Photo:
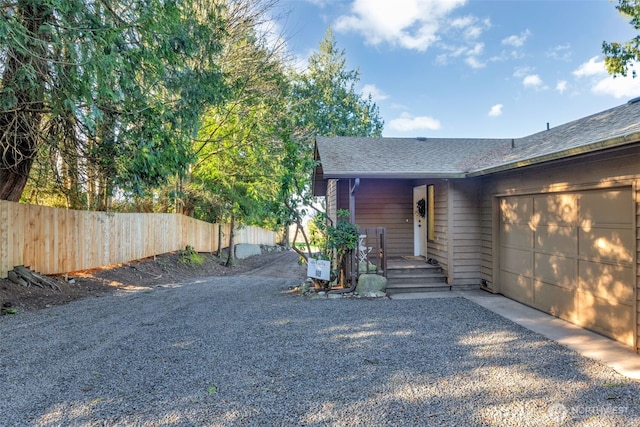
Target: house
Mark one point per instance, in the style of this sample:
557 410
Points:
551 220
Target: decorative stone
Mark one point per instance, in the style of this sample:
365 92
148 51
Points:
371 283
366 267
377 294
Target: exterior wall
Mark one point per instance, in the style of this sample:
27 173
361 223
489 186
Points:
616 168
332 198
438 248
389 204
465 236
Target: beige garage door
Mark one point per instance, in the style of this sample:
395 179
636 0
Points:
571 255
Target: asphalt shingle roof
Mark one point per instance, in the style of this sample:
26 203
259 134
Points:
343 157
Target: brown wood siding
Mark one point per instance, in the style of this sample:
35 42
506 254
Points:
343 193
466 233
438 248
389 204
636 188
486 238
621 167
332 198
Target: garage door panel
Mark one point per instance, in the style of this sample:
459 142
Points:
607 244
560 209
517 235
515 209
606 207
516 261
555 300
602 316
556 239
572 255
517 287
612 282
556 269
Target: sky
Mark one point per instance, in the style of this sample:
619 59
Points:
470 68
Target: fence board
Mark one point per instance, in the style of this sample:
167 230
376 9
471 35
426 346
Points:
57 241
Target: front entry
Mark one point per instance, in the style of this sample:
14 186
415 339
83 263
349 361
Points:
419 221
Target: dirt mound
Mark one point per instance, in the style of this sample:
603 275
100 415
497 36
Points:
146 273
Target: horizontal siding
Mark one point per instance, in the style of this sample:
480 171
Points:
467 233
486 239
389 204
637 219
439 247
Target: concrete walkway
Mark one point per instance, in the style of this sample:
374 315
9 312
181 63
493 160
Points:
589 344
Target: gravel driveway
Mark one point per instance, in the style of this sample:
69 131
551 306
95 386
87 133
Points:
236 351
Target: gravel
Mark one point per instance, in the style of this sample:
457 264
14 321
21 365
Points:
229 351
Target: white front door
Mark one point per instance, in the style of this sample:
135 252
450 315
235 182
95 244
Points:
419 222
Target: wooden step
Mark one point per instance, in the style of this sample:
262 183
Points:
415 278
404 274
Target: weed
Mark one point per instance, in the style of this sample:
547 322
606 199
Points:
190 257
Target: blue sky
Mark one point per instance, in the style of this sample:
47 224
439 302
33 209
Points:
471 68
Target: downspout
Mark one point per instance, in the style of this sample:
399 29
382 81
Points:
352 200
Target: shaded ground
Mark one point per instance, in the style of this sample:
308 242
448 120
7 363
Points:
146 273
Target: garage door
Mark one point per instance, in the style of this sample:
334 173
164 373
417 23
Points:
571 255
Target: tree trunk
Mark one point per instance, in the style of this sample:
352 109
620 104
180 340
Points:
20 124
231 259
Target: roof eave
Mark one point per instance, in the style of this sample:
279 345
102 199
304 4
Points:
614 142
369 175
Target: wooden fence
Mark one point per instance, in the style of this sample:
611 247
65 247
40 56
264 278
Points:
57 241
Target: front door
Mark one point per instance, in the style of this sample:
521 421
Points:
419 221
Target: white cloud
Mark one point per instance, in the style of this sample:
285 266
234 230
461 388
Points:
560 52
407 123
533 80
473 62
602 83
522 71
592 67
496 110
411 24
561 86
619 87
376 94
469 26
517 40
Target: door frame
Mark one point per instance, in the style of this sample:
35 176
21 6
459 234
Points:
419 223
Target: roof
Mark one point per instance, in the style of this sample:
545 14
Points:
379 157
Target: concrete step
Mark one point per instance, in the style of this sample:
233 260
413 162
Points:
397 288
